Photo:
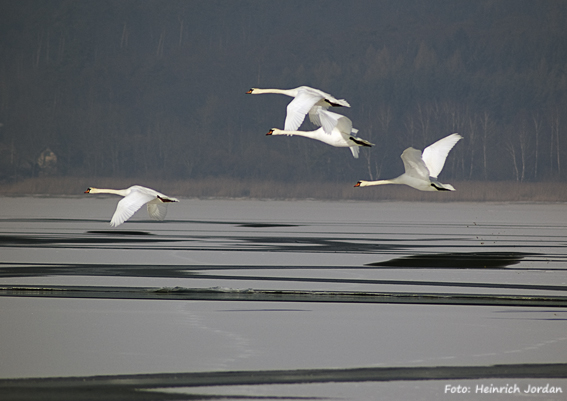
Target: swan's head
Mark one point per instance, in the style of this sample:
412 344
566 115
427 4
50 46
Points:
358 184
270 132
251 91
88 190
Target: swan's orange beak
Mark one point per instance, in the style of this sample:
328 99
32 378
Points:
357 184
249 92
88 190
270 132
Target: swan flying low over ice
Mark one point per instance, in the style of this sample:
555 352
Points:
134 198
422 169
305 101
341 135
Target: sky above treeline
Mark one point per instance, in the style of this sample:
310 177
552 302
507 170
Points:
148 88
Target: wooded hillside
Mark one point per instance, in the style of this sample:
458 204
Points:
156 89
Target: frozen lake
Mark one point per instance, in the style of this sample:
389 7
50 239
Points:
282 300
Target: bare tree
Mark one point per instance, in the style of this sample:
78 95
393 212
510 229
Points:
159 51
486 125
424 117
180 31
536 120
124 37
511 148
523 144
471 136
384 117
554 149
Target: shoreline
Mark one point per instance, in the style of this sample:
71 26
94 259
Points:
467 191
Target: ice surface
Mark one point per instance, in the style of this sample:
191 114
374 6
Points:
361 247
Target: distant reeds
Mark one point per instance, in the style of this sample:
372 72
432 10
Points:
467 191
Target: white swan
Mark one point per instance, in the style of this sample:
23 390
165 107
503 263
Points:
422 169
306 98
134 198
340 136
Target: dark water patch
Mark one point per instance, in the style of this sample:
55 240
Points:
518 315
134 239
126 387
534 318
206 242
265 225
188 271
119 232
224 294
69 240
54 220
265 310
144 221
457 260
319 244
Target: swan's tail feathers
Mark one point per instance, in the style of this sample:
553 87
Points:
354 150
360 141
442 187
157 211
166 199
337 102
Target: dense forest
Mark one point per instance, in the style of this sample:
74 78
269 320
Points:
157 89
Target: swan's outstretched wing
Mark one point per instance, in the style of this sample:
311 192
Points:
414 164
157 209
330 121
305 100
344 125
329 99
354 150
130 205
434 155
299 107
314 116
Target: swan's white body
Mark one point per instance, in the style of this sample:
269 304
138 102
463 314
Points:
307 100
341 135
134 198
422 169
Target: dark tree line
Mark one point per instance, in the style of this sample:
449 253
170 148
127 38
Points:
147 88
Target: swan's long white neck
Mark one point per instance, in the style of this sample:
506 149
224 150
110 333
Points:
288 92
379 182
121 192
307 134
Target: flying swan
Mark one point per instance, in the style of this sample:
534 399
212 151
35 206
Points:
134 198
422 169
307 100
341 135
